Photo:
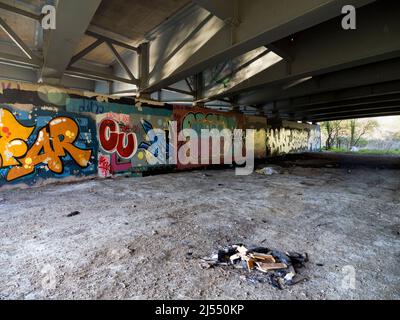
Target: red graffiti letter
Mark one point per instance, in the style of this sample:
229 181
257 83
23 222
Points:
127 145
108 135
113 140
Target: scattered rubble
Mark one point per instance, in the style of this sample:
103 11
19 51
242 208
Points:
264 265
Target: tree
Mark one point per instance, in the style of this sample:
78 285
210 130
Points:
358 129
329 132
349 133
332 130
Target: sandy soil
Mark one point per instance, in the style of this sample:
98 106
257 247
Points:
141 238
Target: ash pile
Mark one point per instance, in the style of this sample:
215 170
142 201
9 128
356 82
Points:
264 265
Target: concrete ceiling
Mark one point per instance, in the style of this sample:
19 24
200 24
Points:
134 19
282 58
100 55
34 6
26 28
128 21
124 20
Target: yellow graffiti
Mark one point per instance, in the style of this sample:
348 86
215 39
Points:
53 142
13 136
51 145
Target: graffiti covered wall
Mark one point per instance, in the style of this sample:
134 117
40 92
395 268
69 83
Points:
81 105
133 143
293 137
42 138
40 143
201 118
48 134
260 138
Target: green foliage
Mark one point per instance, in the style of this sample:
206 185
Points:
367 151
362 142
347 133
338 150
382 152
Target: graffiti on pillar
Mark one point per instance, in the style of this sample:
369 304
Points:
35 143
314 139
293 137
259 124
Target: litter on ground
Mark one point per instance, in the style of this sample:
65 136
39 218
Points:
262 264
268 171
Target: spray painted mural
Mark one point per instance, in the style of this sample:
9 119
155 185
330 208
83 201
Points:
132 143
42 143
48 133
200 118
293 137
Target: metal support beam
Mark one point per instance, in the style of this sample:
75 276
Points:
86 51
16 73
60 44
220 8
370 114
282 48
22 73
19 11
361 96
121 61
348 104
351 101
261 22
253 63
18 61
179 91
189 85
89 74
144 65
199 86
372 107
367 75
112 41
17 40
328 48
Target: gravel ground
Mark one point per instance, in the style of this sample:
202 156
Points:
142 238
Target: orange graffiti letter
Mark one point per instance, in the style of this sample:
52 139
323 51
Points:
51 145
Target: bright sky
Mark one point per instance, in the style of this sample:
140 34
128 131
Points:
387 125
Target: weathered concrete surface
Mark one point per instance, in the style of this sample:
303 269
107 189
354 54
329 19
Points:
132 237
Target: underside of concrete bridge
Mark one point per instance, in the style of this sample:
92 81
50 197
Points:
199 149
283 59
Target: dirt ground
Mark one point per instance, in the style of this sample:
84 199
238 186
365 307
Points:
142 238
